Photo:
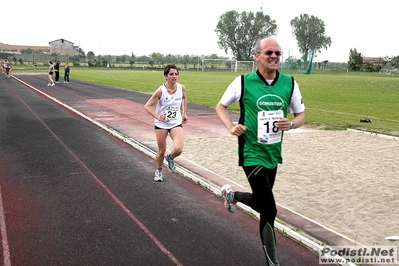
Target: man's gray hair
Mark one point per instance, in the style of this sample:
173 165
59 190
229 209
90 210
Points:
257 45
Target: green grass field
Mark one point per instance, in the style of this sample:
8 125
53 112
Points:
333 100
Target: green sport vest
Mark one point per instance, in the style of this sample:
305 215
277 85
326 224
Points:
257 96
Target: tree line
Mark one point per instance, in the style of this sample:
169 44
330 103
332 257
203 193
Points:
237 35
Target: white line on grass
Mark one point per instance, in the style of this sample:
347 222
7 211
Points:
343 113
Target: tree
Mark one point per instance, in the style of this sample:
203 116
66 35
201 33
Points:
171 59
185 60
81 51
395 61
355 60
91 55
75 59
132 60
212 56
368 66
310 33
290 63
27 51
143 59
239 32
122 58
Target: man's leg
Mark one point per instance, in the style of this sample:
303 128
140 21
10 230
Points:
262 200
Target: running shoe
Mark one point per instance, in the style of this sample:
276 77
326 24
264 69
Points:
48 85
228 195
158 175
171 163
52 85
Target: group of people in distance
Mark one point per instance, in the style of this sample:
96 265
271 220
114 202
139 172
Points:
56 69
6 67
266 97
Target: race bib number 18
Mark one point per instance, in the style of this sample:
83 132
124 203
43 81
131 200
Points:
268 133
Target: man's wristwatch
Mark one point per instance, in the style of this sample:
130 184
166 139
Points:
292 125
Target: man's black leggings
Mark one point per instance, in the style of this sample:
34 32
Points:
261 180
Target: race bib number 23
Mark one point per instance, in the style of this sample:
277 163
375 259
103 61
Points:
172 114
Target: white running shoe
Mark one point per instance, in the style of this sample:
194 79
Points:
48 85
52 85
228 194
171 163
158 175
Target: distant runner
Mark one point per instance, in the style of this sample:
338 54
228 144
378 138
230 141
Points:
168 106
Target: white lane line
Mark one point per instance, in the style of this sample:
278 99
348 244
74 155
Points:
112 195
4 239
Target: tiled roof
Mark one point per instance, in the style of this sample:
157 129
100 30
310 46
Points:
8 47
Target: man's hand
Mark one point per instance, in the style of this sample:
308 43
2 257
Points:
283 124
237 130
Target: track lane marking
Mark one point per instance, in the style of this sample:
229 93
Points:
112 195
4 239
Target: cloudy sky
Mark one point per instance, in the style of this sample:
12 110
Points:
188 27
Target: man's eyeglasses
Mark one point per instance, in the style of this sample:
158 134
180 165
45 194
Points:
277 53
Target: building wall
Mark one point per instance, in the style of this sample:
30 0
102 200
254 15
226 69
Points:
62 47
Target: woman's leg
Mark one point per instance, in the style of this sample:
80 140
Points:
177 136
161 135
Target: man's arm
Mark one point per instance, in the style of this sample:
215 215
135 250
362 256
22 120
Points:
299 119
223 114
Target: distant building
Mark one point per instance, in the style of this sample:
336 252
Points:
371 59
59 47
16 49
63 47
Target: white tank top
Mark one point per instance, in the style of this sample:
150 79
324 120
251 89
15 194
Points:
169 104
